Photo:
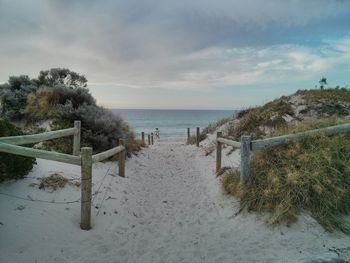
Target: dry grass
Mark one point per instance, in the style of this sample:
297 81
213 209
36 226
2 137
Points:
193 138
312 174
134 146
260 121
250 120
55 181
342 94
212 127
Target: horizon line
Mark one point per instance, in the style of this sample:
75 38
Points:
112 108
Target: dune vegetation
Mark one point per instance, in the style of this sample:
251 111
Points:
309 175
311 104
13 166
53 101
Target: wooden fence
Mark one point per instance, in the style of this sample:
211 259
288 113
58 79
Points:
151 137
247 145
83 158
197 136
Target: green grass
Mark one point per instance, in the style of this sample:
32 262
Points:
312 174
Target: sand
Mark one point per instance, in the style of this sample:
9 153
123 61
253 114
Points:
169 208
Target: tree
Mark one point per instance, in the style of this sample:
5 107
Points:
323 82
61 76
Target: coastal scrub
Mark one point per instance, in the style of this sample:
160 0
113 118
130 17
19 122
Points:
312 174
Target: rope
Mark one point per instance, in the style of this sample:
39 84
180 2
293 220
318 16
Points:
38 200
93 199
103 199
38 178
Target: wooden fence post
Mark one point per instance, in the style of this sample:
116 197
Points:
188 135
76 140
152 138
197 139
149 139
245 158
122 156
86 186
218 152
143 138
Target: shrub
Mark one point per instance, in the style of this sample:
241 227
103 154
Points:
13 166
312 174
100 128
43 103
13 97
61 98
61 77
40 105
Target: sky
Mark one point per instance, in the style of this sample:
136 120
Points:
205 54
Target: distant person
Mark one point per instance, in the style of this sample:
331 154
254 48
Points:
157 134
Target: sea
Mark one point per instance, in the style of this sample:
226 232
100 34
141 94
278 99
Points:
172 124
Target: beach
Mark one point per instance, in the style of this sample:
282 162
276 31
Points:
169 208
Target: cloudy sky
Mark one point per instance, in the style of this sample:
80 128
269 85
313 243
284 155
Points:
203 54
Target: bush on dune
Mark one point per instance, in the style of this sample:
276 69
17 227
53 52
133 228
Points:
312 174
100 127
13 97
13 166
45 102
60 96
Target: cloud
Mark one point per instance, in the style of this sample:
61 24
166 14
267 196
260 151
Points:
176 45
221 67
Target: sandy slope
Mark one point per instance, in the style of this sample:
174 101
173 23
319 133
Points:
169 208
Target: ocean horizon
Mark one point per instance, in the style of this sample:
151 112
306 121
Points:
172 123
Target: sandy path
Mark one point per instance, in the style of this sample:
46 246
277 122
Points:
169 208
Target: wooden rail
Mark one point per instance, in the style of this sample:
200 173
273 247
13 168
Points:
40 137
11 145
36 153
229 142
263 143
107 154
219 141
247 145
